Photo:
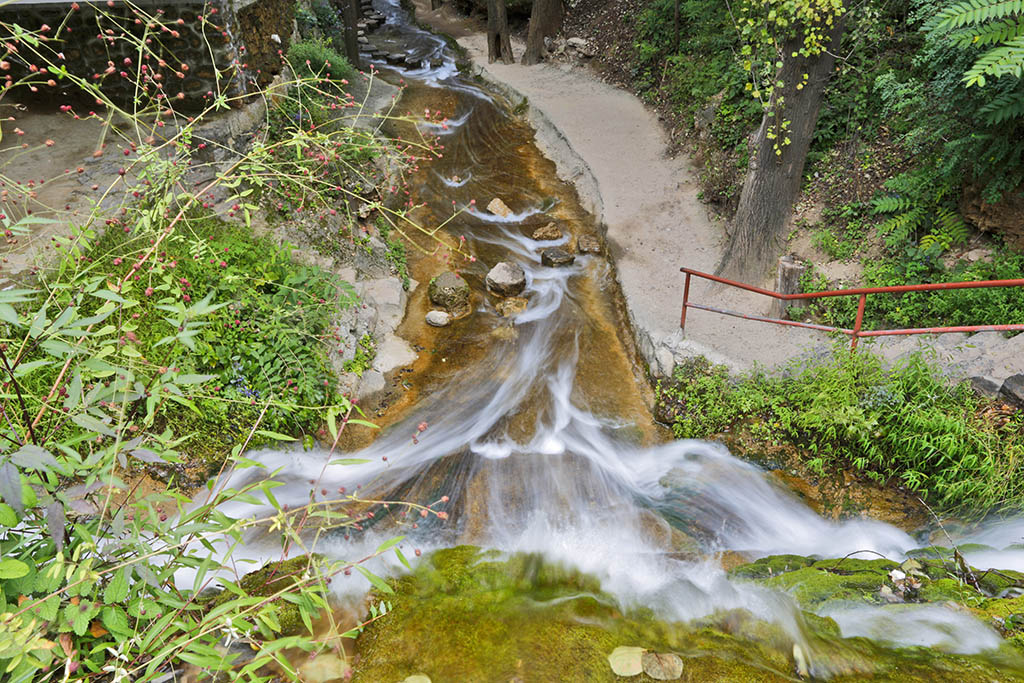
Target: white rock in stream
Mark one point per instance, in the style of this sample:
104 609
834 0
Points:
439 318
506 279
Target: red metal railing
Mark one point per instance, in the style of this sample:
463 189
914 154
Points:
856 333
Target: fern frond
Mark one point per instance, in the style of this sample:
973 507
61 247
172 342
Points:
889 204
1007 59
974 12
1004 107
899 229
988 34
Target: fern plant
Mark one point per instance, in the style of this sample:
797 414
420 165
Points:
997 25
919 213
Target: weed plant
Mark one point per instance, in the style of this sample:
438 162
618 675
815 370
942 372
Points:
164 326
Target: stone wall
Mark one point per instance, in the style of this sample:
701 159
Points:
200 48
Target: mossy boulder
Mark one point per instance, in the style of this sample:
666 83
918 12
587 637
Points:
773 565
450 291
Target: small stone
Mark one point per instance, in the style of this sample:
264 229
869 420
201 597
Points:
506 279
512 306
1012 390
547 233
439 318
588 244
499 208
451 292
555 257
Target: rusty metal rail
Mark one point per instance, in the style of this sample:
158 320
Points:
862 292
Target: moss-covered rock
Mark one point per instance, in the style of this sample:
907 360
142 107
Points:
767 567
471 615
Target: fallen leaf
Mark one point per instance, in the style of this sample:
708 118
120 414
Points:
96 630
626 660
662 666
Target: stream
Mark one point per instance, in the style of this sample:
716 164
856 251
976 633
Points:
538 434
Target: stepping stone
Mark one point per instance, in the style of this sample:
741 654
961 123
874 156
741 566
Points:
555 257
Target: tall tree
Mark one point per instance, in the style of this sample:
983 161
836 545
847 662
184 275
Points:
545 22
801 39
498 44
350 15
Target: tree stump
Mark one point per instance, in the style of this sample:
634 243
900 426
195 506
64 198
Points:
787 281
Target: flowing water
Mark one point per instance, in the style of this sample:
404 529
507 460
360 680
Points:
538 431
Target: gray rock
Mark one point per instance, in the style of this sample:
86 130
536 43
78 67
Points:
393 352
555 257
440 319
985 386
506 279
450 291
1012 390
371 383
588 244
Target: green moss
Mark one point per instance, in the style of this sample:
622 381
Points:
471 615
767 567
814 586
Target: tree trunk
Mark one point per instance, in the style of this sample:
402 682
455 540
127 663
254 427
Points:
773 180
498 44
350 15
545 22
675 28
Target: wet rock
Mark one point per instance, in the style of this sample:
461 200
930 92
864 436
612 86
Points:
512 306
499 208
588 244
548 232
506 279
450 291
439 318
556 257
1012 390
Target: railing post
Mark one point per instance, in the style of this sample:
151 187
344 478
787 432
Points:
857 323
686 299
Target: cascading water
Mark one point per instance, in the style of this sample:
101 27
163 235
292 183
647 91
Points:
536 443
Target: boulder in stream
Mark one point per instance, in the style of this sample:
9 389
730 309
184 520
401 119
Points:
506 279
450 291
499 208
439 319
556 257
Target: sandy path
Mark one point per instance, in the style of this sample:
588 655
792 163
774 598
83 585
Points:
614 150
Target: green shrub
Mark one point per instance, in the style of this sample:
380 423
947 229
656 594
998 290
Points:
906 424
315 58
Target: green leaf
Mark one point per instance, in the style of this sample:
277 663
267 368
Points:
7 516
378 582
12 569
390 543
109 296
9 315
117 590
275 435
116 621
